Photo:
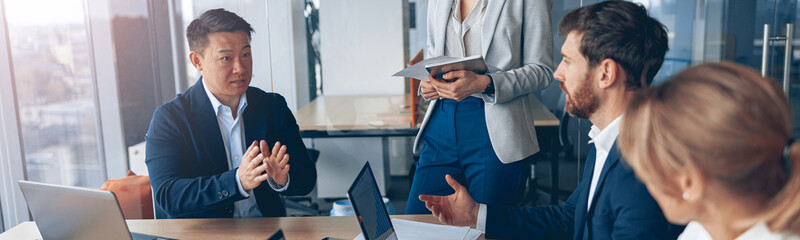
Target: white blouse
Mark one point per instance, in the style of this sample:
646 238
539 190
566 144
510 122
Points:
760 231
463 39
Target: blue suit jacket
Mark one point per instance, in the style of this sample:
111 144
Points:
188 164
621 209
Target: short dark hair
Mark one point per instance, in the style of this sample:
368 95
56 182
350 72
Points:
623 32
211 21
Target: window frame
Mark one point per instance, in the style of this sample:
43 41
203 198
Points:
110 136
12 161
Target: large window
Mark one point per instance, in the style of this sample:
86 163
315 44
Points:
2 226
679 18
80 79
55 91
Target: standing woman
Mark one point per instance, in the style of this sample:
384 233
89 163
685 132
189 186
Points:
713 145
479 128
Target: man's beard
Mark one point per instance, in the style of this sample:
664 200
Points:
584 103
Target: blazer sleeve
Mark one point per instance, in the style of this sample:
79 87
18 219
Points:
638 214
550 222
537 56
302 170
173 172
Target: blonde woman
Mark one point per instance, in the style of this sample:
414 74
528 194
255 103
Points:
713 146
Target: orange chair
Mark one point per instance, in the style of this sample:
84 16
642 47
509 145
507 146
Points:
412 90
133 194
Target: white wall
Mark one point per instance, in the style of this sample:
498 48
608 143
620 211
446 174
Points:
361 46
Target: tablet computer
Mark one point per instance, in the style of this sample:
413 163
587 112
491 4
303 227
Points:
471 63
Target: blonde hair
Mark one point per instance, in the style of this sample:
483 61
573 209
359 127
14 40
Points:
729 122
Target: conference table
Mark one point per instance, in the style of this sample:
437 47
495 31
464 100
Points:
236 228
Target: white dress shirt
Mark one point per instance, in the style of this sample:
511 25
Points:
232 130
760 231
603 141
463 39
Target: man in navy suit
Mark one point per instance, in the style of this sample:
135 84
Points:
223 148
612 49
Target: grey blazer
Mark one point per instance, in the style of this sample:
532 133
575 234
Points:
517 38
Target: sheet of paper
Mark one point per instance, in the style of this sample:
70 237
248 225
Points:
473 234
418 70
406 229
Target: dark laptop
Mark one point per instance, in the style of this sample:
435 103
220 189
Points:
62 212
369 208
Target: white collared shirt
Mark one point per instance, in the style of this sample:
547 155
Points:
759 231
232 130
603 142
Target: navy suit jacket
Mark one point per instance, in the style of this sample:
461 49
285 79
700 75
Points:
621 209
188 164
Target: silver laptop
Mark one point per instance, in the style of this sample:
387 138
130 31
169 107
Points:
63 212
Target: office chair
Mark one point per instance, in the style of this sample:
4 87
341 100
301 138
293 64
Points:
132 192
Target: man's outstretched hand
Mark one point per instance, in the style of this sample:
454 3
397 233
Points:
455 209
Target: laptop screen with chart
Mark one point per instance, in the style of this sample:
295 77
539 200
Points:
369 208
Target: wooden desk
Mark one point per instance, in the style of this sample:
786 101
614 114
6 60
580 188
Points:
236 228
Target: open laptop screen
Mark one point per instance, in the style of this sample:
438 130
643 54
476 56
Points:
368 206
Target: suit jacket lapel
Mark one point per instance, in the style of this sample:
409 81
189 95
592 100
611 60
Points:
255 123
440 30
580 206
205 126
611 160
490 19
